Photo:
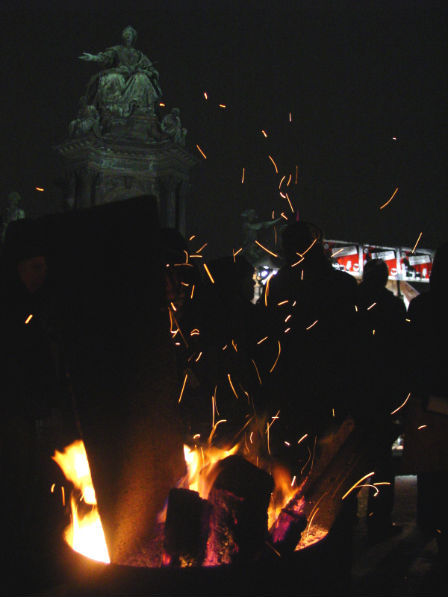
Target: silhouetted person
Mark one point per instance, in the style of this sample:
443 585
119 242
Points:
221 331
382 316
29 394
426 425
312 310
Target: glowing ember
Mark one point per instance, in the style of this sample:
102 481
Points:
85 534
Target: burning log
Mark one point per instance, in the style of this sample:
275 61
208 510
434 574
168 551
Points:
287 529
186 529
238 522
324 492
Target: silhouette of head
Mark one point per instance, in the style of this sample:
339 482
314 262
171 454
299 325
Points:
375 273
234 277
301 238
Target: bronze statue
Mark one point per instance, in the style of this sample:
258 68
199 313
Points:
251 229
172 126
130 84
87 120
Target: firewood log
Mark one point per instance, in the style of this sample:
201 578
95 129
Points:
238 523
186 529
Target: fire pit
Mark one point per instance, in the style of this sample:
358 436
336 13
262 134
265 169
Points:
217 545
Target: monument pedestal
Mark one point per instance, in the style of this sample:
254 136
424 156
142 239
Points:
131 158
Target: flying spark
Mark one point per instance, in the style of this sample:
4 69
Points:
222 106
389 200
257 372
401 405
205 95
183 387
208 273
265 249
266 291
264 133
275 165
290 204
202 153
308 248
355 485
297 262
312 325
29 318
278 356
231 385
416 243
243 175
203 247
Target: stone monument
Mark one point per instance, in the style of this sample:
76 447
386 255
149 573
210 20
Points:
118 147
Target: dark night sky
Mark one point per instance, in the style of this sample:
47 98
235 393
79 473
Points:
353 75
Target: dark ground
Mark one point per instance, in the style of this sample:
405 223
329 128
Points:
404 565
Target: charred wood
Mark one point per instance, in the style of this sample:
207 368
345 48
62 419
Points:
287 529
238 524
186 529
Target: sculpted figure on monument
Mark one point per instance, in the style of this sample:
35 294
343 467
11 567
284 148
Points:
172 126
252 227
87 120
130 84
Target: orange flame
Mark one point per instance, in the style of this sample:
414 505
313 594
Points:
85 533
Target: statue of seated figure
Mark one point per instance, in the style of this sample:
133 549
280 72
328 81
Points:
129 85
